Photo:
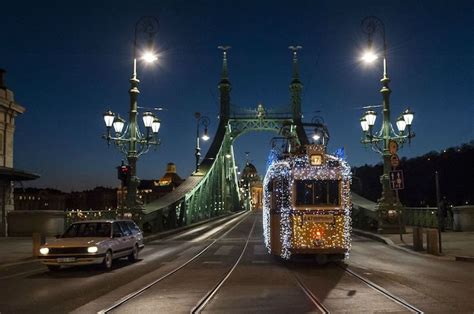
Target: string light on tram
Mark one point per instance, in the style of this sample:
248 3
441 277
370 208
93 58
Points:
299 168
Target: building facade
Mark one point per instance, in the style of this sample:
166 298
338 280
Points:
150 190
9 110
251 187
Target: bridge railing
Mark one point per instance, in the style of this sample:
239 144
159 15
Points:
426 217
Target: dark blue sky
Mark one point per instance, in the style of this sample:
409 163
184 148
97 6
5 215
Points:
68 63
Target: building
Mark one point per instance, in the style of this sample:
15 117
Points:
39 199
251 187
150 190
9 109
99 198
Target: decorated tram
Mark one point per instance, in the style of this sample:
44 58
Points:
307 204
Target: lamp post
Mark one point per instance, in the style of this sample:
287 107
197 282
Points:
130 140
200 121
387 140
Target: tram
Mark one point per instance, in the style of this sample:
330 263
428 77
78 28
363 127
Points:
307 204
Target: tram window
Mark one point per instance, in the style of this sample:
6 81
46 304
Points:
315 192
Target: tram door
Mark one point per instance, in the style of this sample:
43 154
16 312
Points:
275 218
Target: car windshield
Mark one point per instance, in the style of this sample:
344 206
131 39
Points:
88 229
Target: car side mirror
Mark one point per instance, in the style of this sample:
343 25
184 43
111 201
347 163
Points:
117 235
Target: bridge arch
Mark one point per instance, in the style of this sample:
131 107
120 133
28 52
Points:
214 190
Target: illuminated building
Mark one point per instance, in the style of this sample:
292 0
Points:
251 187
9 109
150 190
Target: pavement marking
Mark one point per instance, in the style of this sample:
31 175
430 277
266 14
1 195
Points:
260 262
32 260
28 272
212 262
224 250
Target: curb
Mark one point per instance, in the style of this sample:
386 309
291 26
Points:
390 243
465 259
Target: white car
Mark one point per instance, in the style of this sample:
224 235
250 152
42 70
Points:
93 242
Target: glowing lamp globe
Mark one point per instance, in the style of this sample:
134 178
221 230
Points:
408 116
401 124
155 125
119 123
109 118
148 118
370 117
149 57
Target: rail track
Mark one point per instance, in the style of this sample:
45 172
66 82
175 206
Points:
211 293
138 292
382 291
319 305
324 309
205 300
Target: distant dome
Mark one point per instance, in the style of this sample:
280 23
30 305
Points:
170 168
249 171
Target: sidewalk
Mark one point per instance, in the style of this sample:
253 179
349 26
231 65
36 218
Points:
457 246
16 250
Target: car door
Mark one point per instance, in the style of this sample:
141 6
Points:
119 243
128 239
137 233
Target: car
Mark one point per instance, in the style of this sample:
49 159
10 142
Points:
93 242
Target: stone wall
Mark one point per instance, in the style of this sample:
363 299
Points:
26 222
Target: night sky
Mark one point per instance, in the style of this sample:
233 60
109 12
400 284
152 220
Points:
68 63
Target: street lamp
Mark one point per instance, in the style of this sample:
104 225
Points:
200 121
321 132
129 139
387 140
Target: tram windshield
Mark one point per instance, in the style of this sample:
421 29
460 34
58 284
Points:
316 192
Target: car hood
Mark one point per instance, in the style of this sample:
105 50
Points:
74 242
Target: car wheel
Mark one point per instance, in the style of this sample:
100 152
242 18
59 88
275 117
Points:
134 255
53 267
107 263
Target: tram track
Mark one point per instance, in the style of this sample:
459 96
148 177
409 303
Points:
299 278
208 297
324 309
382 291
319 305
140 291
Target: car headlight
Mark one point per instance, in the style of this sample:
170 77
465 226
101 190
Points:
44 250
92 249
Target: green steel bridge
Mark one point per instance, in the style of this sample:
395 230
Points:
213 190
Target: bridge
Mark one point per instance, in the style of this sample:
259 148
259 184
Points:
213 189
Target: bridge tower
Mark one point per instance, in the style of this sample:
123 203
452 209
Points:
296 87
224 87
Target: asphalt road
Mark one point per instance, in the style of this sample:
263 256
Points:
238 276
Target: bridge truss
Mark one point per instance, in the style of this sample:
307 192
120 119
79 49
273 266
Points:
214 189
